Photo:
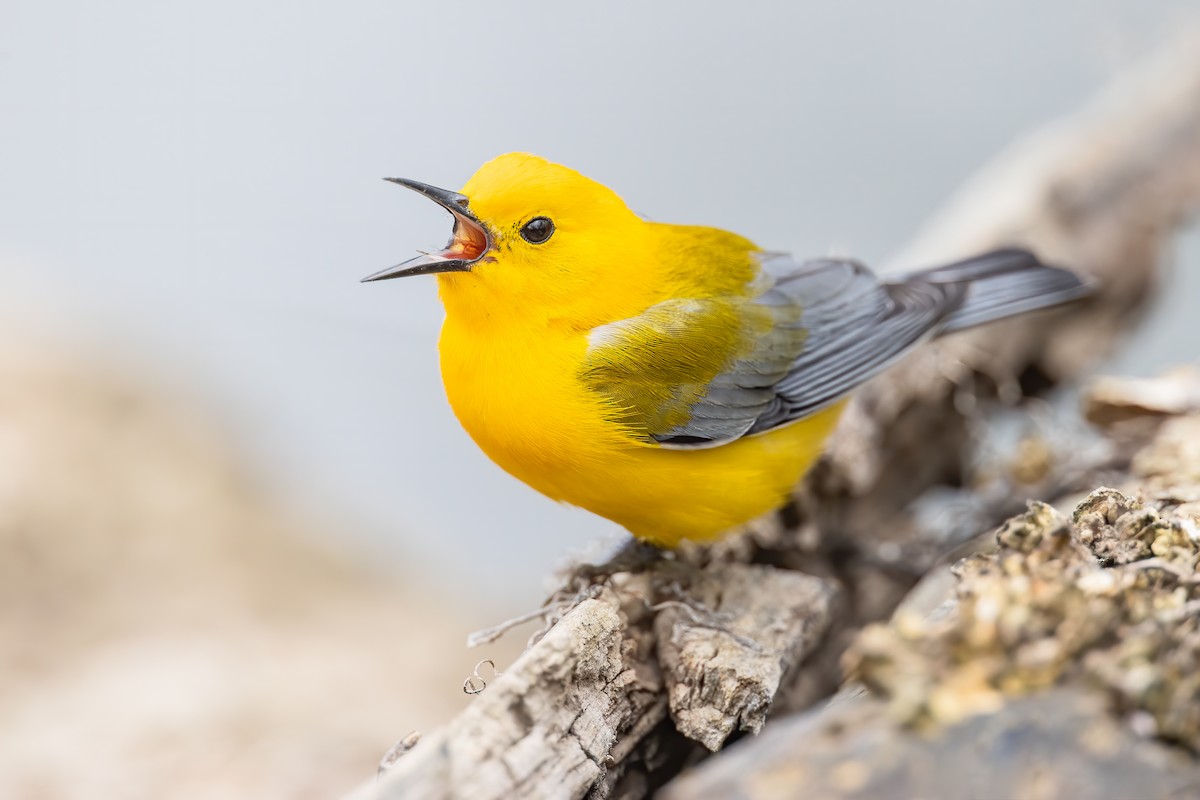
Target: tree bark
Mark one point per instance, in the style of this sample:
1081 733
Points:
661 666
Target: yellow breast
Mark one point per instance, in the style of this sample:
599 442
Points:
518 395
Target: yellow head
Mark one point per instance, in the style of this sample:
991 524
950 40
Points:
562 244
534 240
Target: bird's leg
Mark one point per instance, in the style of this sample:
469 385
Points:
634 555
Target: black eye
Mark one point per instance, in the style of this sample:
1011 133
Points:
537 230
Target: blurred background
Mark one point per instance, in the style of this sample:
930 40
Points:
241 534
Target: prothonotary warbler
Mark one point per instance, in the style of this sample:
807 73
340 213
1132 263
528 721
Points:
678 380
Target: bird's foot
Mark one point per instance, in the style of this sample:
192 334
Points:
633 556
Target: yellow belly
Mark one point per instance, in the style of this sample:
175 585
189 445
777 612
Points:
537 422
666 495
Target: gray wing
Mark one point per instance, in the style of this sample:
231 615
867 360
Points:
856 327
811 334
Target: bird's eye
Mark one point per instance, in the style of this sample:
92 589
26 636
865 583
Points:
537 230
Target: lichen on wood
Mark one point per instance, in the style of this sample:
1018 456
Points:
1075 641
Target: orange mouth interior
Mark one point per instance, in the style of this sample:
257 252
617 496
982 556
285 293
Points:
468 242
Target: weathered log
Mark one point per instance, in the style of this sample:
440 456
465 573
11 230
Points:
563 706
1056 666
1100 192
724 662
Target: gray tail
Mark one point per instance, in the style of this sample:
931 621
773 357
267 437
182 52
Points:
1001 284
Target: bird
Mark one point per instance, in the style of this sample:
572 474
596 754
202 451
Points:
678 380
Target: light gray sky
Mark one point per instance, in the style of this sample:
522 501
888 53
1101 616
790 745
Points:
197 186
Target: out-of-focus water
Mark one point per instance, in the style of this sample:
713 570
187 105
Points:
197 187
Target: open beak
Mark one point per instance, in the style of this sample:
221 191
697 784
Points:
467 244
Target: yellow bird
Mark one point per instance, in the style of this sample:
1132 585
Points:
677 380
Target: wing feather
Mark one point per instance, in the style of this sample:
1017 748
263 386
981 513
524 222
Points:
696 372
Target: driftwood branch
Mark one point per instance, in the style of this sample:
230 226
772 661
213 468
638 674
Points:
663 665
1009 689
